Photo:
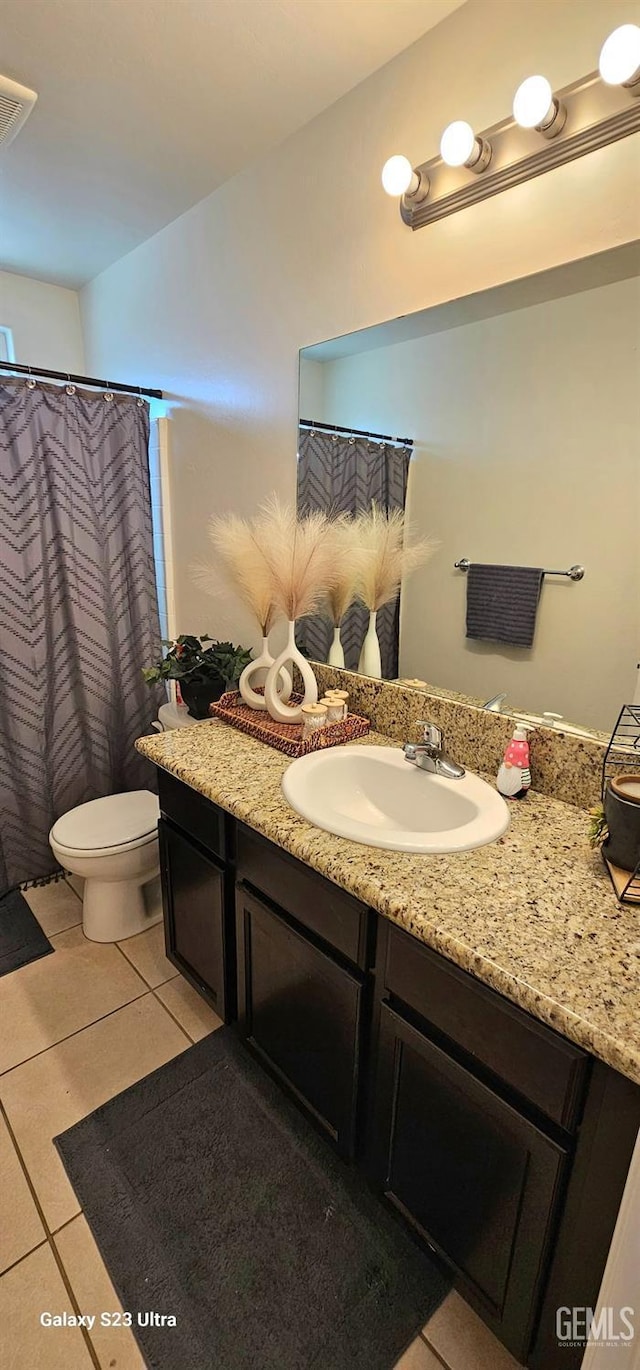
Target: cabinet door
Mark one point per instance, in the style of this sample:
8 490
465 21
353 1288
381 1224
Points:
193 902
478 1180
301 1013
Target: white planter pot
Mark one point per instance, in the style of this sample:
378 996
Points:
336 653
279 710
263 663
369 663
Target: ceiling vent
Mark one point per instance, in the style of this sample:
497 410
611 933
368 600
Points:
16 104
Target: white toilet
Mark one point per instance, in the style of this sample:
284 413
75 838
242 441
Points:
113 844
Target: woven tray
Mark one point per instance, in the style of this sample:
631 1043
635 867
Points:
286 737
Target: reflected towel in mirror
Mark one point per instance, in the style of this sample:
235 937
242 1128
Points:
502 603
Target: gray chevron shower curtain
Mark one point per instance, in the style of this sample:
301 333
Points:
78 609
342 473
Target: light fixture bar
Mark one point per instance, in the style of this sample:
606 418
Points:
596 114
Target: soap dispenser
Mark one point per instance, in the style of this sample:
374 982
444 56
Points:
514 776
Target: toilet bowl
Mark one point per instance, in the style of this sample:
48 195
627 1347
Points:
113 844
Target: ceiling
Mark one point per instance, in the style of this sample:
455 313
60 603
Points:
146 106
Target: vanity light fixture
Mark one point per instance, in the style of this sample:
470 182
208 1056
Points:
400 179
536 106
459 146
620 58
547 128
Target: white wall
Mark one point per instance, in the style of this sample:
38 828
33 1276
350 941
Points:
619 1287
45 322
306 245
526 452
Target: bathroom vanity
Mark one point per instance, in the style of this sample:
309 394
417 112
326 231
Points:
486 1079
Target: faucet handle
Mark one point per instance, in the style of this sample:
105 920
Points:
432 734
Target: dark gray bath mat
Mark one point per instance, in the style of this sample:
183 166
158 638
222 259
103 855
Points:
21 937
212 1200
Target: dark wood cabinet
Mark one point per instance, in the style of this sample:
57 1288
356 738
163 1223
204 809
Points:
197 852
322 909
504 1145
497 1040
301 1012
201 820
194 915
480 1182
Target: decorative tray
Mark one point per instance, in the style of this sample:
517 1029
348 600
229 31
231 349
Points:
286 737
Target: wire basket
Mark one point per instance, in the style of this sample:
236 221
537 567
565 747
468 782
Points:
623 755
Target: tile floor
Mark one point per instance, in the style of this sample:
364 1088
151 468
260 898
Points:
77 1028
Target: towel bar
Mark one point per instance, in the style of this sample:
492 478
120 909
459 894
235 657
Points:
574 572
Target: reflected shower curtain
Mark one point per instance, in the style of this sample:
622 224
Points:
342 473
78 609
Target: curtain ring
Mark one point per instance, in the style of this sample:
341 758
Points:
140 402
31 385
334 437
352 442
108 394
70 389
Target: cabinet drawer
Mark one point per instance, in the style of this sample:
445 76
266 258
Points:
536 1061
301 1013
316 903
479 1181
192 812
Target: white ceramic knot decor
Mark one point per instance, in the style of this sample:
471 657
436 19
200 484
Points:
278 708
263 662
281 564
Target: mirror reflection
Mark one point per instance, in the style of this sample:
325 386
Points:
505 426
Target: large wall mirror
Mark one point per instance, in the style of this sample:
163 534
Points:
508 423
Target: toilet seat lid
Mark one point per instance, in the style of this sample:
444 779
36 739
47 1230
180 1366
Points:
109 822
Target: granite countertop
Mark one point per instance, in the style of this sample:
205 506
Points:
533 915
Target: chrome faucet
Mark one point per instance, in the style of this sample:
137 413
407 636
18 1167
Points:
429 756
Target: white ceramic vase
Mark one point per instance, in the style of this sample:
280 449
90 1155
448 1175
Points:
336 653
369 663
264 662
279 710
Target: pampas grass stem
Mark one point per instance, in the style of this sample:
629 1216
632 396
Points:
281 563
387 555
300 554
349 564
245 565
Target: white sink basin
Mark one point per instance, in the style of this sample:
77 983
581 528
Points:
372 795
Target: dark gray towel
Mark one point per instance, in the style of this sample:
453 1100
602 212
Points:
502 602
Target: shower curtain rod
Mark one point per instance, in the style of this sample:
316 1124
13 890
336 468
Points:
70 378
355 432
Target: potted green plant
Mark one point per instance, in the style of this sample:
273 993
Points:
204 668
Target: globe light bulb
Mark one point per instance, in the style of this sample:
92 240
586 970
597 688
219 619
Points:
397 175
620 56
533 103
457 143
